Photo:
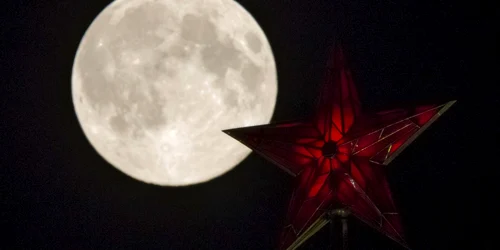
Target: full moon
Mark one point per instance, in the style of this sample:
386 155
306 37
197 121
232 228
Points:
155 81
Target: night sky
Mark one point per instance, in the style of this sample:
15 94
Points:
56 192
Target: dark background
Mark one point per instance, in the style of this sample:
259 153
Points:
57 193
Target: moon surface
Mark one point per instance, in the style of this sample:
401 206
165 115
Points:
155 81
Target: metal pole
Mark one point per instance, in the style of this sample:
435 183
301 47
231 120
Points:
343 214
345 238
332 234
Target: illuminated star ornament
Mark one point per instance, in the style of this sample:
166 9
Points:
338 156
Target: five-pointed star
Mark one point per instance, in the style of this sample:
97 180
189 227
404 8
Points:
338 156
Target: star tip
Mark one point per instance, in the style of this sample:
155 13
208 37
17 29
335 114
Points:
447 106
227 130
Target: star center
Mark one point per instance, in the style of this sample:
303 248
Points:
329 149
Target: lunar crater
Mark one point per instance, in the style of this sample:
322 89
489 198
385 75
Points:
198 29
253 42
219 58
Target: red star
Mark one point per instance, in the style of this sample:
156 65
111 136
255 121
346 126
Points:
338 156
